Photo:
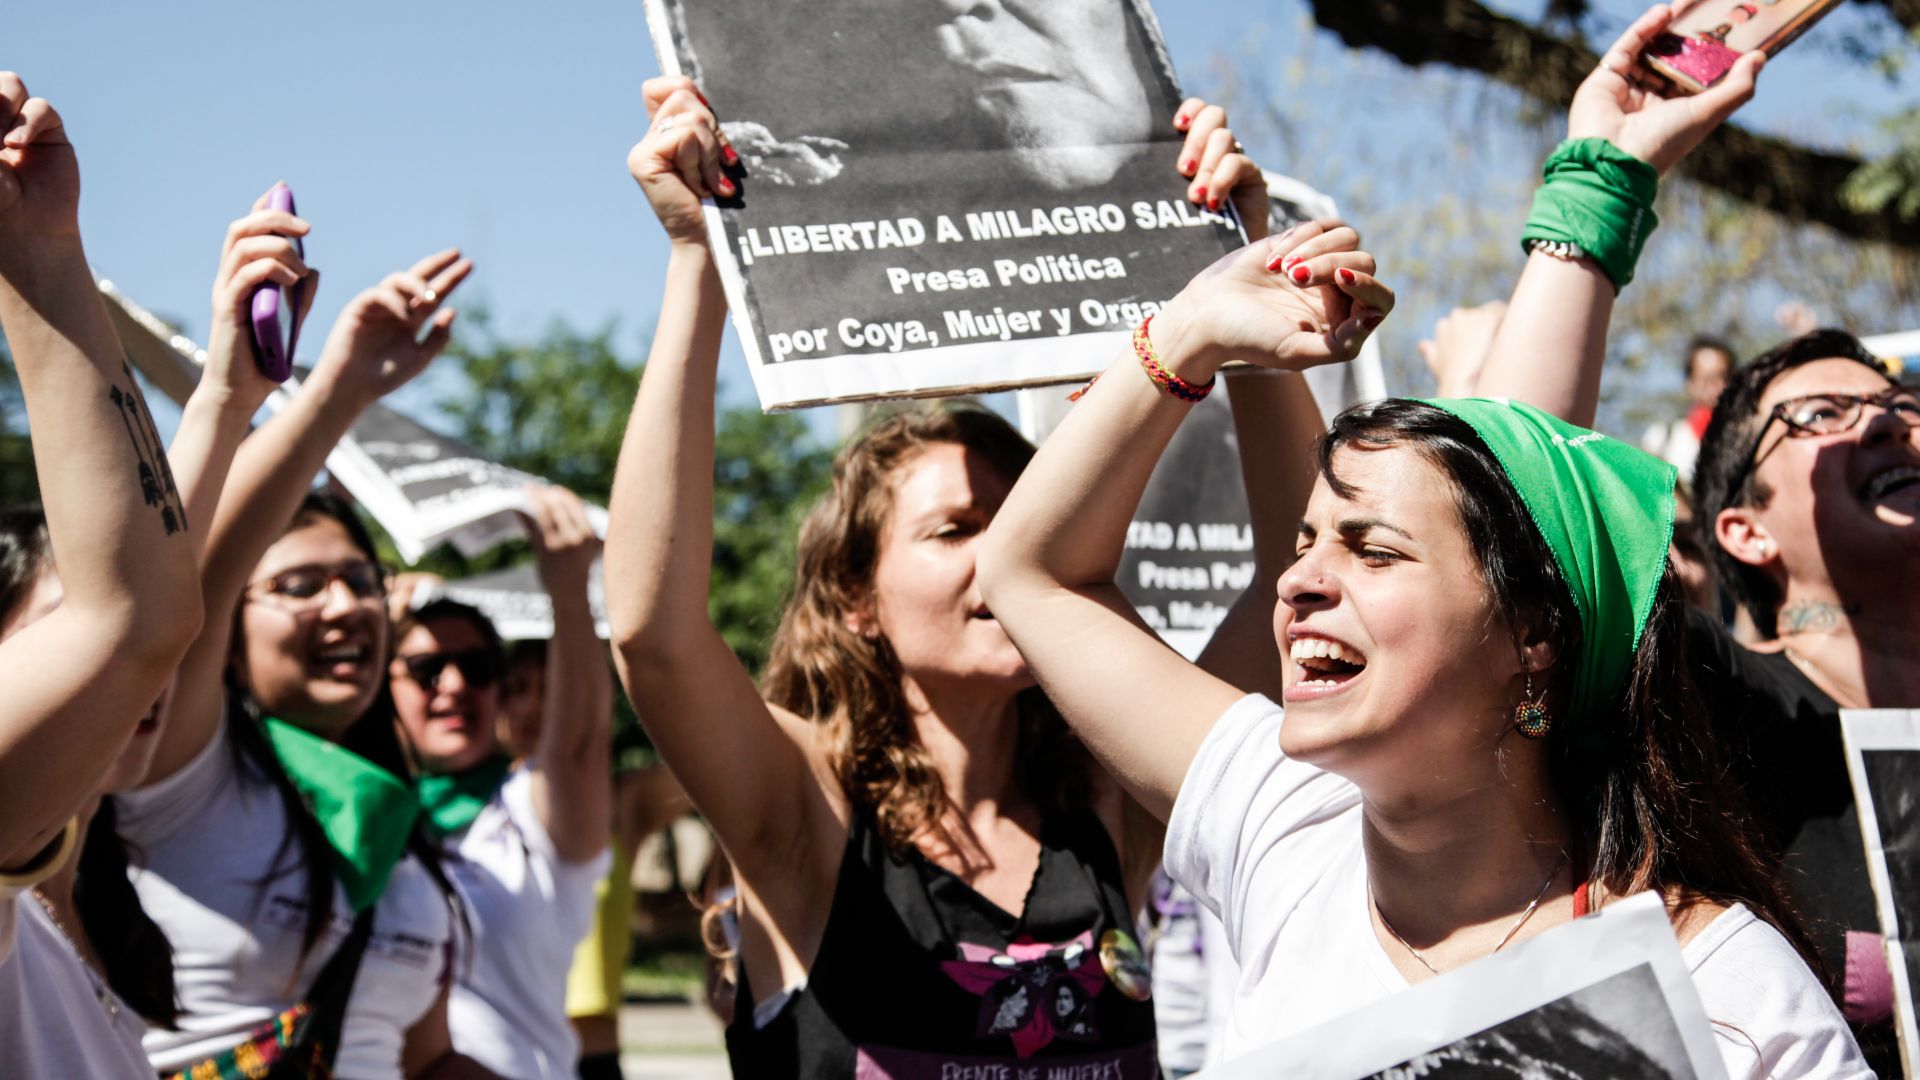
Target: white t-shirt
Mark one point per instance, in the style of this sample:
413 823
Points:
1274 847
216 869
53 1022
529 910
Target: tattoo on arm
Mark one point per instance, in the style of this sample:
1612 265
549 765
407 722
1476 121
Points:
1814 616
156 476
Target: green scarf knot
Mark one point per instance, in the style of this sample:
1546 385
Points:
365 811
453 800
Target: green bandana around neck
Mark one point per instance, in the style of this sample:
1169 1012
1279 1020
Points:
453 800
365 811
1606 510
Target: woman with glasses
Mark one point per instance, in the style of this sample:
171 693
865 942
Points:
277 842
528 839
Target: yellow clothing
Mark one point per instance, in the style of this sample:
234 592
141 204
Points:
593 983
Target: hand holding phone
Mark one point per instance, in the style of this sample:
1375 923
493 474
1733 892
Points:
1707 36
275 311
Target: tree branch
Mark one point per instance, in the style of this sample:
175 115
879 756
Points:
1789 179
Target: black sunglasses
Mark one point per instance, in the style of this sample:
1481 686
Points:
479 668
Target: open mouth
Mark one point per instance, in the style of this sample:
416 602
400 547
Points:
1324 663
1892 481
343 660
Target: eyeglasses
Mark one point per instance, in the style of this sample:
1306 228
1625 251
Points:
479 668
1827 414
306 586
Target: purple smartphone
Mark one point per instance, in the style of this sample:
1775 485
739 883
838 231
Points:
276 311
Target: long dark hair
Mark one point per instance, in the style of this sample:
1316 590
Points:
853 685
133 951
372 736
1641 780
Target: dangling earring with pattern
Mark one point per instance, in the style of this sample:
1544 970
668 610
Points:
1530 717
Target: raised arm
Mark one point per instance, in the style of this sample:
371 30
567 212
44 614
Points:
79 679
573 765
256 252
1048 563
375 347
741 763
1551 347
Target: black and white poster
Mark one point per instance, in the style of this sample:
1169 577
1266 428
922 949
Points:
940 198
1601 998
1883 756
515 601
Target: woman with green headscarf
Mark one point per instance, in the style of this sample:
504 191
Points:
1468 720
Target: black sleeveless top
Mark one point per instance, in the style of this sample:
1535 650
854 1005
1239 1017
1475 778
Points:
920 976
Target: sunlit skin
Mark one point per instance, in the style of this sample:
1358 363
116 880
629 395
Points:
1818 518
1060 77
1390 575
319 666
1707 372
926 601
450 725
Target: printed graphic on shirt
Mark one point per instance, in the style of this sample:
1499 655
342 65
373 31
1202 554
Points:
884 1063
1033 992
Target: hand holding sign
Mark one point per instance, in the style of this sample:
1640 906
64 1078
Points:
678 163
255 252
1302 299
376 345
564 542
1220 169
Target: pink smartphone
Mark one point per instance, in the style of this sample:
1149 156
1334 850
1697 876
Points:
276 311
1707 36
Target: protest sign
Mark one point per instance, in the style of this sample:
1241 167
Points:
1883 758
1600 998
514 600
424 488
932 205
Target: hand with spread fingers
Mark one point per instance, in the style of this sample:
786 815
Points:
255 252
1298 300
1218 168
682 158
39 173
389 333
1623 102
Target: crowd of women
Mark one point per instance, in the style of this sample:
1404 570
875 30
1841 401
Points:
252 823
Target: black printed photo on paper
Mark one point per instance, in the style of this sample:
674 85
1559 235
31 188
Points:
936 197
1619 1027
1893 777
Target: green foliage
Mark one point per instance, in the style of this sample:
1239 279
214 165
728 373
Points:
1891 182
18 483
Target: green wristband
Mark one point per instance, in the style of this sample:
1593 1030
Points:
1598 198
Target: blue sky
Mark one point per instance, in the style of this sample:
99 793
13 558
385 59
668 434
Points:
406 127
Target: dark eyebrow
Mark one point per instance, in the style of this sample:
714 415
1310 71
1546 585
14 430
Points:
1354 527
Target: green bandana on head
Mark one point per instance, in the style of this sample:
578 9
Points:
366 811
1606 510
453 800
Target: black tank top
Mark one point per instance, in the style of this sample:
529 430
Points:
919 976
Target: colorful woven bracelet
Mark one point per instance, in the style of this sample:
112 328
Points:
1166 380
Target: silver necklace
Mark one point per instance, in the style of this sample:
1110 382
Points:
108 1000
1518 923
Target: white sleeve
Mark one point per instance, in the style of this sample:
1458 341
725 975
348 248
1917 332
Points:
153 813
517 795
1771 1018
1239 838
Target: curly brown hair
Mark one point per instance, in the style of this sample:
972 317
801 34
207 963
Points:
820 669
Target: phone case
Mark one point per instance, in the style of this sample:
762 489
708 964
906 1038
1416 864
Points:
1704 40
275 312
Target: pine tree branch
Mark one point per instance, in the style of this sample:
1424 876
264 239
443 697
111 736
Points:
1784 177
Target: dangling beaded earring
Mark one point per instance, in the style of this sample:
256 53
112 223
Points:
1530 717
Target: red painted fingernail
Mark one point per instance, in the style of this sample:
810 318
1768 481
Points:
1291 262
1213 203
1181 120
1301 274
1187 166
1200 193
726 186
730 155
1278 262
1346 276
703 99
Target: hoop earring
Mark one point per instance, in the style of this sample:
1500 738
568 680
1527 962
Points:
1530 717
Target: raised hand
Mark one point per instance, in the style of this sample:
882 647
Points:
1621 102
256 252
564 543
39 174
1218 169
377 344
679 161
1458 348
1298 300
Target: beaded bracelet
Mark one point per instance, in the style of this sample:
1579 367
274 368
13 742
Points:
1166 380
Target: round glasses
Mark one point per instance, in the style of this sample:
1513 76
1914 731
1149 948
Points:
1827 414
301 587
